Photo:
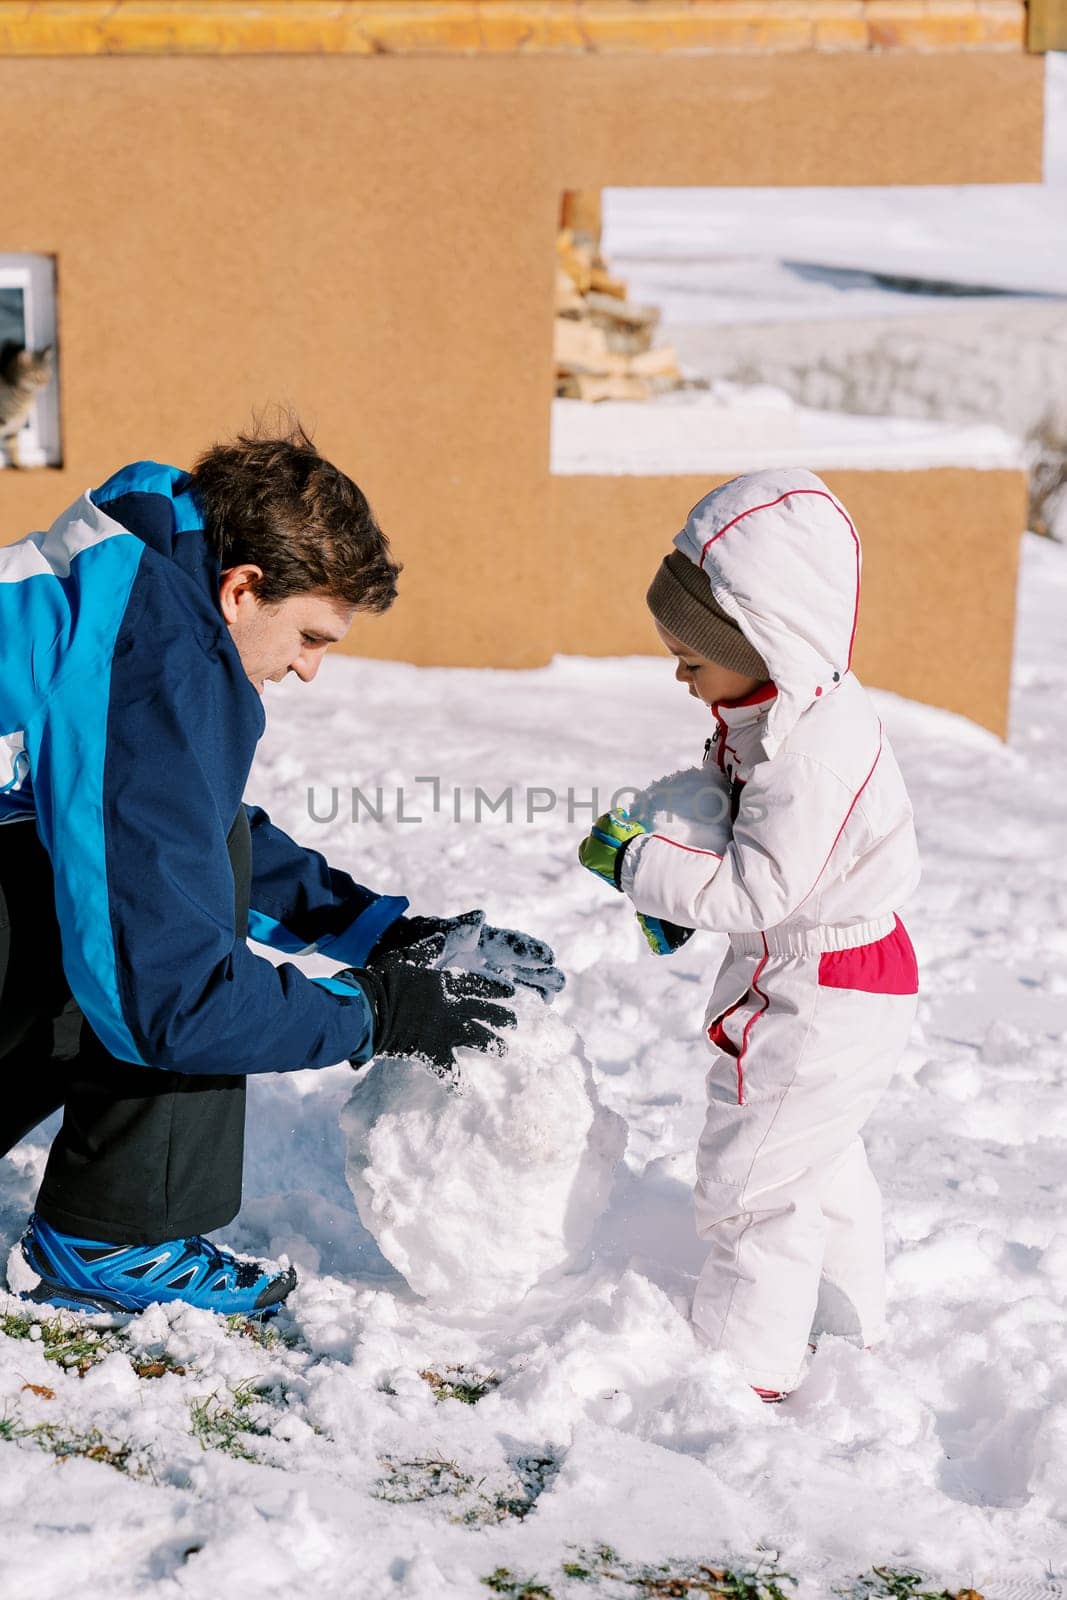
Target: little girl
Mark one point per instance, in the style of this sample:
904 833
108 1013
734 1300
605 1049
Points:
814 1000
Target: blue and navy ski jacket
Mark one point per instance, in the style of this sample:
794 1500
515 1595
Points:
127 731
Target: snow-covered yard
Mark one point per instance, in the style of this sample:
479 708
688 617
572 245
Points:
330 1460
372 1444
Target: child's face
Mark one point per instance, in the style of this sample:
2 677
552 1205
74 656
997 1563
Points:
706 680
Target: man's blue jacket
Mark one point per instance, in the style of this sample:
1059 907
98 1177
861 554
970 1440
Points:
127 731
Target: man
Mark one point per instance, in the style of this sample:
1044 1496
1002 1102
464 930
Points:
135 639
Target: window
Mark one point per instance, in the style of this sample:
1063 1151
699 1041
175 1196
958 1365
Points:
28 319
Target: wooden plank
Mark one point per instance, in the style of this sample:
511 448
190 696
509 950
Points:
622 312
662 362
602 282
593 388
567 296
575 259
581 347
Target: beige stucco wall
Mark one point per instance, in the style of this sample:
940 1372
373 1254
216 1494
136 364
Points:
940 563
371 239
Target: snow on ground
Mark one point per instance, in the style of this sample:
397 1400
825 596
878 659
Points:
325 1465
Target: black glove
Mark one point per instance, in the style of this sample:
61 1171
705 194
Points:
502 952
428 941
423 1015
518 957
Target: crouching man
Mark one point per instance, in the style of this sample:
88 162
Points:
135 639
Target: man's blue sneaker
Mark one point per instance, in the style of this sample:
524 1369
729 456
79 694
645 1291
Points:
91 1275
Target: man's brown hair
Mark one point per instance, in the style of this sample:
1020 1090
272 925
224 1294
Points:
272 500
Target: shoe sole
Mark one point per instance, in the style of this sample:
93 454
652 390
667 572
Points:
67 1299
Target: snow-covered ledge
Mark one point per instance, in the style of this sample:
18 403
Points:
731 429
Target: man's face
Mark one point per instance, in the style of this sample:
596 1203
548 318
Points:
292 636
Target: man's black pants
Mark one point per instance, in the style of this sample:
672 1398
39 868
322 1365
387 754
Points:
142 1155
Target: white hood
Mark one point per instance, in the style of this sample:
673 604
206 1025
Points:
783 558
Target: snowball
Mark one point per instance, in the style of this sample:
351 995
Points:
958 1080
476 1193
688 806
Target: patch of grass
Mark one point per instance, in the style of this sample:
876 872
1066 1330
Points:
63 1339
466 1384
672 1580
16 1327
262 1333
503 1581
607 1574
91 1446
78 1348
436 1478
66 1444
424 1478
896 1583
267 1335
227 1423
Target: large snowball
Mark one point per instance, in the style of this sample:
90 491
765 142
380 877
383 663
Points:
475 1194
690 807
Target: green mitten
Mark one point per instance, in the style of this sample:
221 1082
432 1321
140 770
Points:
601 851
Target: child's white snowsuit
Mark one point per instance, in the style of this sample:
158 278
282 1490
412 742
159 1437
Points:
813 1003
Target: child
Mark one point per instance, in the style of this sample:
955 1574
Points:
814 1000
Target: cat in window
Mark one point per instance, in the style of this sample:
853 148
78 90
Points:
23 374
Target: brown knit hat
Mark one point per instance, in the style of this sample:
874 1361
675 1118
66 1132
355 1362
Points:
681 599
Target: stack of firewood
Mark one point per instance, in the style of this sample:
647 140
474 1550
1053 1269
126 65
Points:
603 344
